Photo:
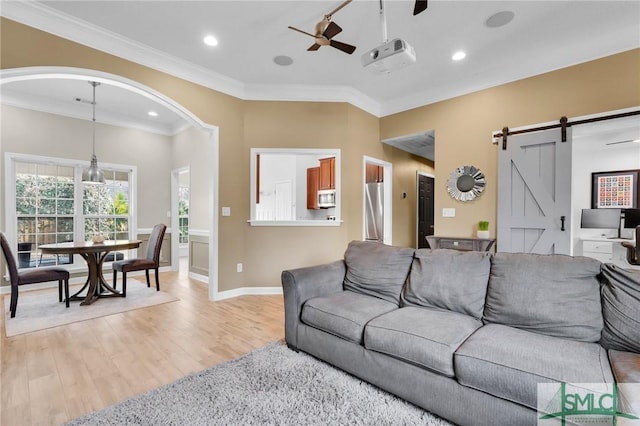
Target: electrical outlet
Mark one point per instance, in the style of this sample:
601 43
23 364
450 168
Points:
239 267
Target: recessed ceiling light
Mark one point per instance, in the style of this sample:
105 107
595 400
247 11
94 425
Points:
499 19
152 113
283 60
210 40
459 55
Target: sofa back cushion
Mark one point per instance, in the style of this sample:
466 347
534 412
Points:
448 279
621 309
556 295
376 269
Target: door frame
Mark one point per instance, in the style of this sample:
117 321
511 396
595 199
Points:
175 226
418 174
388 190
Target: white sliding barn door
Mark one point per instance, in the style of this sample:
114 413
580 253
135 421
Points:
534 193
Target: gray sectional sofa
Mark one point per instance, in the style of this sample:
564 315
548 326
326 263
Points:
469 335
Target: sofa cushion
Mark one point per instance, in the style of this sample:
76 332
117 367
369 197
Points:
620 308
509 363
448 279
344 314
427 337
555 295
376 269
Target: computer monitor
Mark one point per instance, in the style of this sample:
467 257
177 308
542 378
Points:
601 218
631 218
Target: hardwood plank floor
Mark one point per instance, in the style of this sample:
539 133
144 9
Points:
55 375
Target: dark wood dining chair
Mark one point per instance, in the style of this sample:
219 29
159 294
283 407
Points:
39 275
150 261
633 249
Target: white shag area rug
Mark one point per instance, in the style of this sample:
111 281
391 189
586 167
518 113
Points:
269 386
38 310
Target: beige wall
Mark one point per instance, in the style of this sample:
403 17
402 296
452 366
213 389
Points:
463 125
264 251
463 129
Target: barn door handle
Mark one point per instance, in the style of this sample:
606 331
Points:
562 218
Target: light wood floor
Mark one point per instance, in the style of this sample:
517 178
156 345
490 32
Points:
55 375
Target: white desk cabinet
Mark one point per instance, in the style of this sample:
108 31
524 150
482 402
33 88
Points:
601 250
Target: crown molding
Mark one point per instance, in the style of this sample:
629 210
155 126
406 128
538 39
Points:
45 18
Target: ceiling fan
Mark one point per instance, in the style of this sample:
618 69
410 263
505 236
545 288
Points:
325 31
420 6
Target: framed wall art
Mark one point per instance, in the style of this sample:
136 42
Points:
615 190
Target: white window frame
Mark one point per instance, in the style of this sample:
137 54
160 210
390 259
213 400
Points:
253 221
78 224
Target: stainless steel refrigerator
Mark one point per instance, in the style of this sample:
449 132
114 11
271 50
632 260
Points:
374 212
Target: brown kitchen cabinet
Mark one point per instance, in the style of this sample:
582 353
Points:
374 173
313 181
328 173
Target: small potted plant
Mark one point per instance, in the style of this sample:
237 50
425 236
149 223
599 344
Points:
483 229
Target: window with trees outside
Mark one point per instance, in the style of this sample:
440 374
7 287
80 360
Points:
52 205
183 214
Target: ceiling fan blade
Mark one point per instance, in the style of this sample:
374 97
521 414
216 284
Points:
300 31
346 48
420 6
314 47
332 30
338 8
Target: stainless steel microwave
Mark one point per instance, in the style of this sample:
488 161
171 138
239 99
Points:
326 198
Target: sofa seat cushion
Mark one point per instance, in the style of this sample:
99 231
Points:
448 279
377 269
509 363
344 314
556 295
422 336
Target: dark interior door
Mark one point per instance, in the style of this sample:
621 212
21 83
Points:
425 209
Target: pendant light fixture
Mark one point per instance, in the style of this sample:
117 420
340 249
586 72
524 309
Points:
93 174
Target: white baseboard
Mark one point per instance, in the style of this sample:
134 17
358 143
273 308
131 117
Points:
246 291
199 277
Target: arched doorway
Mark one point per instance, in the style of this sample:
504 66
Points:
14 75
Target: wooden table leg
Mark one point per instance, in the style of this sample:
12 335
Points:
92 264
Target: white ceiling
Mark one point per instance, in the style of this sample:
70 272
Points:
543 36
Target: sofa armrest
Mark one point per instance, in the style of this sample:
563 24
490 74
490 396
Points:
626 371
300 285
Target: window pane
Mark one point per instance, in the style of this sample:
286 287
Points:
65 224
26 225
90 228
46 206
25 206
65 206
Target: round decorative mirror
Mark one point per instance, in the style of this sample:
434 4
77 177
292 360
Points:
466 183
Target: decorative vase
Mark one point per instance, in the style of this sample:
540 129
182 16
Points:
483 234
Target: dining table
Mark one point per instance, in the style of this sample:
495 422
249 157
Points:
94 254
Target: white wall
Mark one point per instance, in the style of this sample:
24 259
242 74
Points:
38 133
592 154
191 148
